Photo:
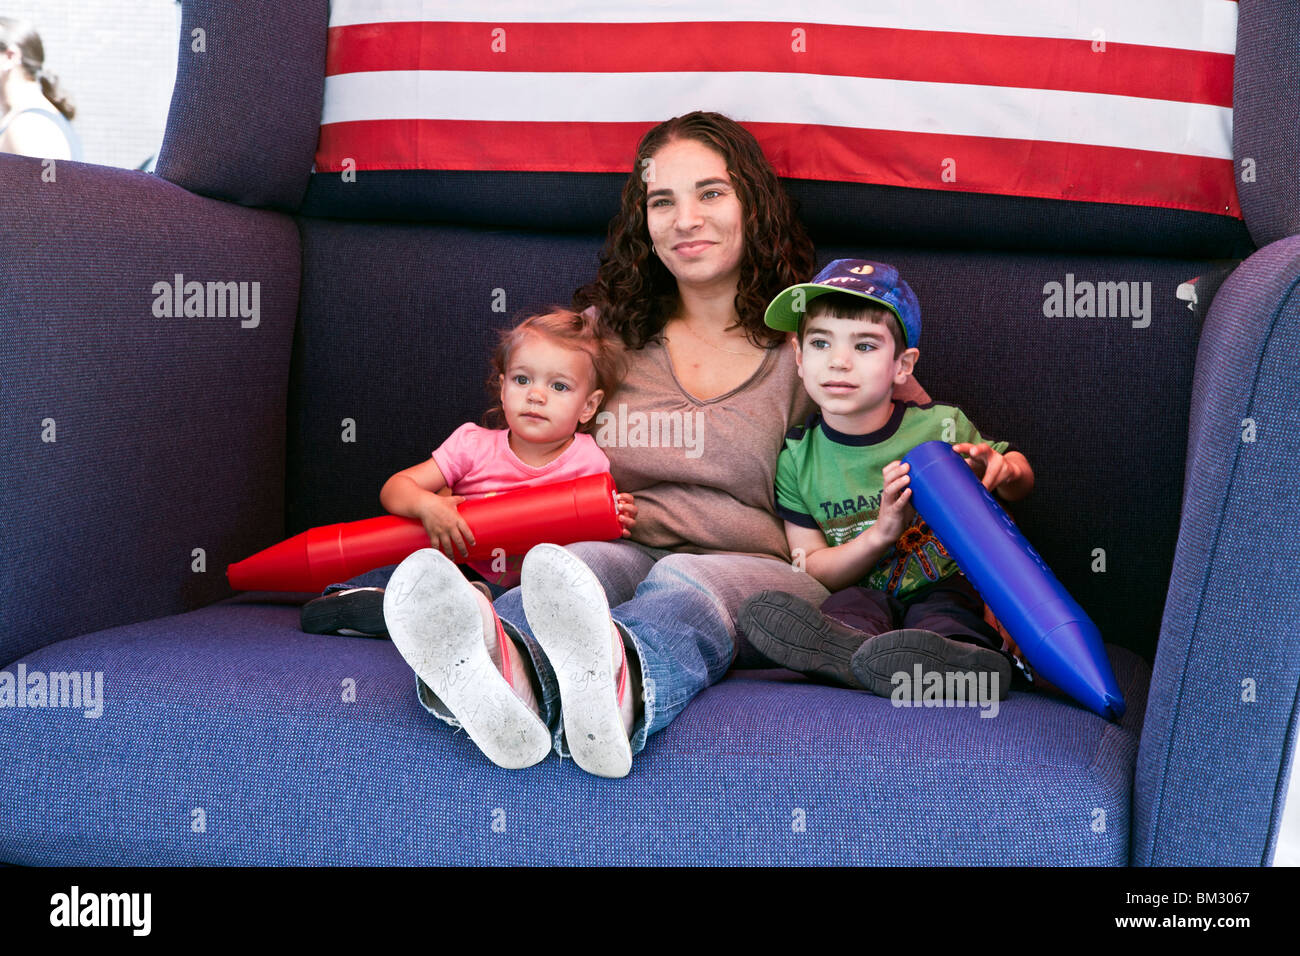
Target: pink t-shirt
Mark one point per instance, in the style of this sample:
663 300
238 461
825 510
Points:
478 462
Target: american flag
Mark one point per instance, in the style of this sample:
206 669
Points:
1124 101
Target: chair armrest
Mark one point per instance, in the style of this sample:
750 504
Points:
1220 722
133 436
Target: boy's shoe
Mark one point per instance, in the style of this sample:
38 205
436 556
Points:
570 619
791 632
356 612
437 621
883 656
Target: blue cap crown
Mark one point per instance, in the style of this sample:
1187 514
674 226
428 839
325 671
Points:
877 281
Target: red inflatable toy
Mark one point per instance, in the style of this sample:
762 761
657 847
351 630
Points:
583 509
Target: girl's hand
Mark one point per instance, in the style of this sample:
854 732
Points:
896 511
626 512
447 530
990 465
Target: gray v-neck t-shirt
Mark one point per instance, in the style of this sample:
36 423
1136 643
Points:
702 472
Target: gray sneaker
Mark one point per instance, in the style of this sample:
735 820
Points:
878 659
791 632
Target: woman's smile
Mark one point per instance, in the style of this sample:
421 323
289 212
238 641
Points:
693 248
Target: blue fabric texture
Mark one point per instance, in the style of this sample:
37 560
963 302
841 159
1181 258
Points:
128 439
1266 118
227 737
246 108
1211 773
831 211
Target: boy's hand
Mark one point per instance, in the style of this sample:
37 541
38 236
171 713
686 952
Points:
993 468
447 530
626 512
896 511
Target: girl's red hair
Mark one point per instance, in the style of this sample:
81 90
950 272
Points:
567 328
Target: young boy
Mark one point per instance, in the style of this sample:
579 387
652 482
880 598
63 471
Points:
897 598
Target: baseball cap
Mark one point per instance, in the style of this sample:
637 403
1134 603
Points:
877 281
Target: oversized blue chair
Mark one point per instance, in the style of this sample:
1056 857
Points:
148 443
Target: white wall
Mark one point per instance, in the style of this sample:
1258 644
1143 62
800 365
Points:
116 60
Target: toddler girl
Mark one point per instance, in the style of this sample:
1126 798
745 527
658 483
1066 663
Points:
551 372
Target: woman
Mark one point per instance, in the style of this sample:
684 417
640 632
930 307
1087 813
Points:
34 113
609 641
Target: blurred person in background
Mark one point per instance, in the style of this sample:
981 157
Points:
34 112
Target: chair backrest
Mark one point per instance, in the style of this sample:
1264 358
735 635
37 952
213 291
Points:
1053 320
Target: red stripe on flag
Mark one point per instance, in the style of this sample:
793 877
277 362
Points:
920 55
886 157
465 144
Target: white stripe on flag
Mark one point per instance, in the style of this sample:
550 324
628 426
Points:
1097 119
1208 25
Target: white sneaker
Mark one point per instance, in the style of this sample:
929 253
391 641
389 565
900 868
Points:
569 617
436 620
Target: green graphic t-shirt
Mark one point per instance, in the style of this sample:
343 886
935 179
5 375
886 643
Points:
828 480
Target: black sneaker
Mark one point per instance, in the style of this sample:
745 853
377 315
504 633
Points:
357 612
883 656
791 632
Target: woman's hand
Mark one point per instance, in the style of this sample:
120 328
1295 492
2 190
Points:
447 530
626 512
896 511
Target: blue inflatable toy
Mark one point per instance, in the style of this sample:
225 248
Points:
1054 632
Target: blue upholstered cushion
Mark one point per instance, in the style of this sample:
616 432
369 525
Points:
245 112
1266 118
130 439
225 739
1211 777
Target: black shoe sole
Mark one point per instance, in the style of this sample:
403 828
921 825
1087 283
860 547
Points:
360 611
791 632
885 655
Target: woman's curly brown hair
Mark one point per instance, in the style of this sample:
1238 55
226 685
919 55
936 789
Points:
635 293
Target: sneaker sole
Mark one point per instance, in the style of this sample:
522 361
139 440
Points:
569 617
791 632
887 654
433 619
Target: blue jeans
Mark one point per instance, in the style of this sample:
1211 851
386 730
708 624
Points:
676 612
950 607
